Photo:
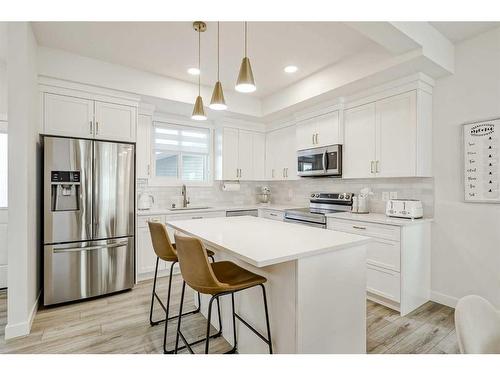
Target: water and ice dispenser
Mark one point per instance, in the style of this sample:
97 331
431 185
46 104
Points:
65 187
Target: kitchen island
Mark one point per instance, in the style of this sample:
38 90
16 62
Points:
316 283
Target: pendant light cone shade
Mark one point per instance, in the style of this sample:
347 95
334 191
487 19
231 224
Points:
218 102
245 82
198 111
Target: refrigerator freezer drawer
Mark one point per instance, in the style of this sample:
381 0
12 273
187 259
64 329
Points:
74 271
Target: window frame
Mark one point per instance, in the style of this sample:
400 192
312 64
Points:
178 181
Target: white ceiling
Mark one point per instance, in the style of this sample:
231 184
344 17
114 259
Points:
169 48
458 31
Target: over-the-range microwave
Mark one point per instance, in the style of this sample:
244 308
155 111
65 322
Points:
320 161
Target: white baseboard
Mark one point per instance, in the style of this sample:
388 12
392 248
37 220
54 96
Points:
22 328
444 299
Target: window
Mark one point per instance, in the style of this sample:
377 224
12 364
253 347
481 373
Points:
181 153
3 165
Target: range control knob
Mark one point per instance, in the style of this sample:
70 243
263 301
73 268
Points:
317 195
348 196
312 195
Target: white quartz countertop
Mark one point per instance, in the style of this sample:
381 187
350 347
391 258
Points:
377 218
262 242
166 211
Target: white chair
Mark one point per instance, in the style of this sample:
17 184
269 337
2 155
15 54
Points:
478 326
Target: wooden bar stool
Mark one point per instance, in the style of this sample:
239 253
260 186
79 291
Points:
165 251
217 279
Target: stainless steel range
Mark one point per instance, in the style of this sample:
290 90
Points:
319 205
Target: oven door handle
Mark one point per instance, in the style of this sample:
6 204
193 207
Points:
325 162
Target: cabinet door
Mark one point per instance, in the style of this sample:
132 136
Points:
271 155
259 156
359 142
245 155
305 134
115 121
230 154
396 136
289 153
327 129
146 256
68 116
143 146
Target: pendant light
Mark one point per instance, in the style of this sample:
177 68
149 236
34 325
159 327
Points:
218 103
198 110
245 82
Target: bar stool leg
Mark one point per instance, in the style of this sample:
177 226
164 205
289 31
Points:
235 346
165 351
151 322
209 318
179 319
267 319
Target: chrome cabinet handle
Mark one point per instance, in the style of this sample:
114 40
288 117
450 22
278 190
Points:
371 167
149 170
197 217
286 172
283 172
91 127
241 173
96 127
271 214
376 166
317 141
358 227
313 139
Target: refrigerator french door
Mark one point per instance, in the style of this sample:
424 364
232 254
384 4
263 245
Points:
88 218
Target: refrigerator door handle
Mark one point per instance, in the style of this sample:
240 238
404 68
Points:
88 248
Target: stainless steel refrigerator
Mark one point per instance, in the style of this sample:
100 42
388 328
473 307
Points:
88 223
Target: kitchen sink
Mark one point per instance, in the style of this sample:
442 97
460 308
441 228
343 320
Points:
189 208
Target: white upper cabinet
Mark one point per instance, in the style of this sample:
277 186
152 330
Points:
240 154
359 147
84 117
259 156
391 137
281 154
68 116
396 131
115 121
323 130
143 146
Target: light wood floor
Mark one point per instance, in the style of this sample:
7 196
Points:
119 324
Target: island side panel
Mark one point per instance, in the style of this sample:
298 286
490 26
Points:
282 301
331 302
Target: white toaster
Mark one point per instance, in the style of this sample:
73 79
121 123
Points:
405 208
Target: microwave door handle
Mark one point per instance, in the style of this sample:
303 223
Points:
325 162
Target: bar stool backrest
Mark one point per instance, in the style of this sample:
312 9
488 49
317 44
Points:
195 268
161 242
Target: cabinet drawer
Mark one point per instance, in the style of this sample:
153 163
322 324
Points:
384 253
388 232
383 282
142 221
273 215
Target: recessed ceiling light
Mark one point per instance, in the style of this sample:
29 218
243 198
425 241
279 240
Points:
194 71
290 69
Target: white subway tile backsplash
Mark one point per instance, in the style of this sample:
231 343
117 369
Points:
297 192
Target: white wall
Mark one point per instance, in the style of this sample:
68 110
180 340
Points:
24 158
466 236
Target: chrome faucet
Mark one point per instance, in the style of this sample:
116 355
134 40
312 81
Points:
185 199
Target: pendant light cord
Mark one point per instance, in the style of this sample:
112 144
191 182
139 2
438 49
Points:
218 51
199 61
245 39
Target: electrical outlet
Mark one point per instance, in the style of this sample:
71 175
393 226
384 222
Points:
385 196
394 195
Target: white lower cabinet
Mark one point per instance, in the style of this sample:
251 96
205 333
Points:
271 214
145 254
397 261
